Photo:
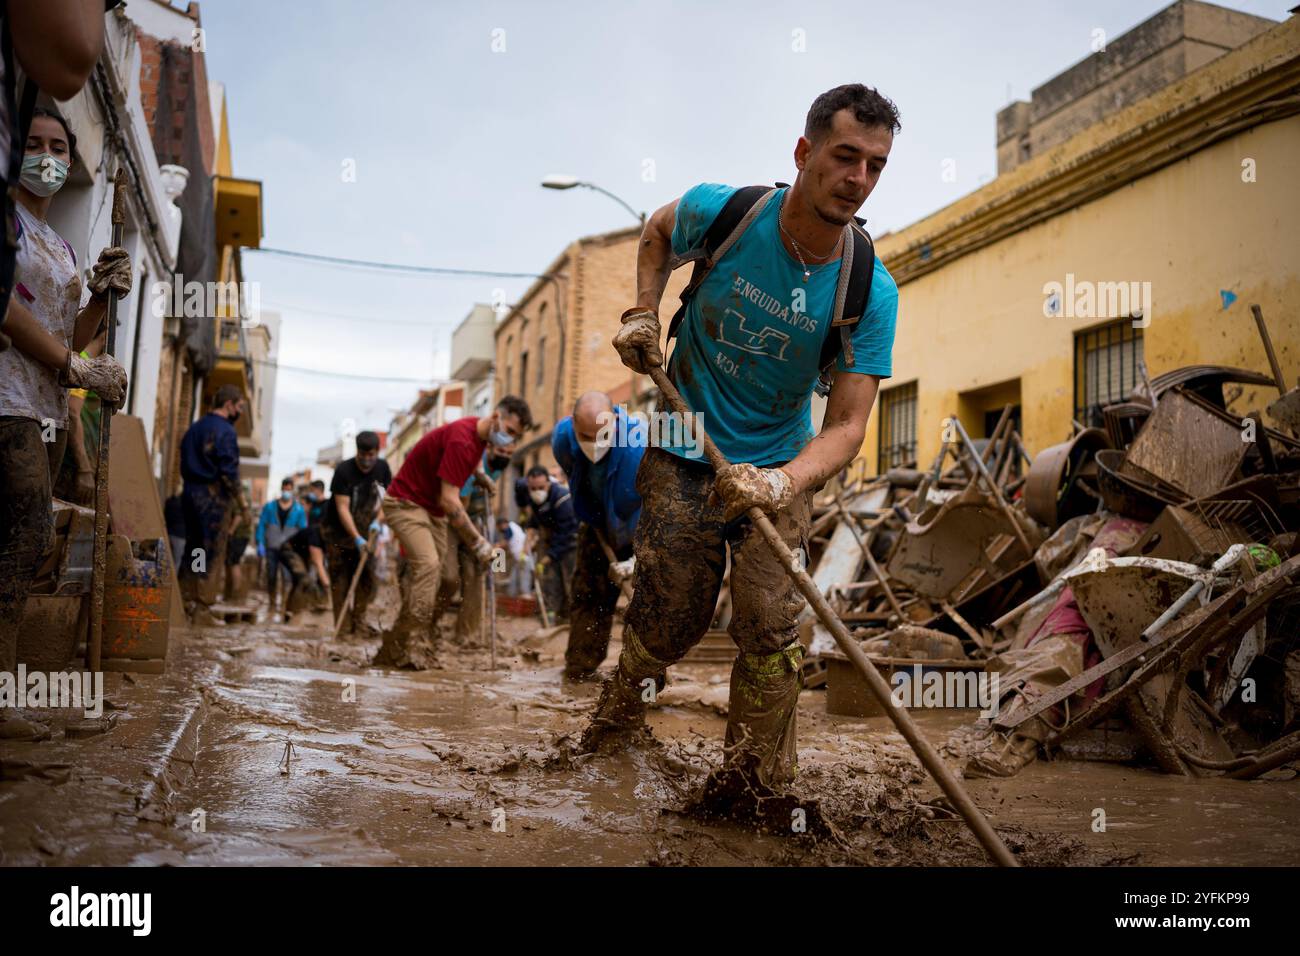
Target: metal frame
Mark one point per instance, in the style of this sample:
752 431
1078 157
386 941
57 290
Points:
901 400
1097 340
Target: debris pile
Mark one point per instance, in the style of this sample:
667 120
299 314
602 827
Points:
1135 590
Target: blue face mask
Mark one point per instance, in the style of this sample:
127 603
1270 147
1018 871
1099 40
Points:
500 438
286 496
43 174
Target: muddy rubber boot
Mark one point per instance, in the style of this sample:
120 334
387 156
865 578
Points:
619 717
761 715
1008 755
409 646
201 616
759 755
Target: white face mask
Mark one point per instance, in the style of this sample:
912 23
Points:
539 495
43 174
594 450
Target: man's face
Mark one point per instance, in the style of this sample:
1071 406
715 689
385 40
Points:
842 168
538 482
508 423
366 459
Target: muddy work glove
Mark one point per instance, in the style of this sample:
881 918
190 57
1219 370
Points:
102 374
112 271
637 342
741 487
620 571
483 552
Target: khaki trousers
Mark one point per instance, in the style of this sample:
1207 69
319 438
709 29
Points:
424 541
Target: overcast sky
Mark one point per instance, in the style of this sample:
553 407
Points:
450 137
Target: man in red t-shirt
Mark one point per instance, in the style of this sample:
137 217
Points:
423 507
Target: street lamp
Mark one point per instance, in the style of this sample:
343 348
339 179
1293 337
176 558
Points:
557 181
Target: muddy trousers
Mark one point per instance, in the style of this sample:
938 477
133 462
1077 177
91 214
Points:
557 586
342 557
681 549
204 507
591 612
412 641
290 561
460 570
26 524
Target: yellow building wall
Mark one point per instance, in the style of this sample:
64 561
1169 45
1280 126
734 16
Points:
1190 229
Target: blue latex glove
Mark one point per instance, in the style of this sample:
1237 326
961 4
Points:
261 550
360 542
374 526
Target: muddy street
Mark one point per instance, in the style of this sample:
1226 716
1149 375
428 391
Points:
266 744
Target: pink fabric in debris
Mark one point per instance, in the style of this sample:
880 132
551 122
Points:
1064 620
1116 535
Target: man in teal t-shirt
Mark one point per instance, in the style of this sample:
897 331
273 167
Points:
747 360
745 356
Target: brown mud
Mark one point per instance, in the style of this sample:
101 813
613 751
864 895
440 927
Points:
268 744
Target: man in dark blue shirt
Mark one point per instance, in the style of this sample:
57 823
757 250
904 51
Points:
552 516
210 469
602 477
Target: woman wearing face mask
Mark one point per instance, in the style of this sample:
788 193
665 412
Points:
48 328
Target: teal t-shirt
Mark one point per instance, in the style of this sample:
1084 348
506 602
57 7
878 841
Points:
747 352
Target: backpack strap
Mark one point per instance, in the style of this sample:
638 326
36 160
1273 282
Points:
852 294
723 233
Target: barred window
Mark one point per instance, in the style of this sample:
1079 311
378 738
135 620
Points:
897 426
1106 368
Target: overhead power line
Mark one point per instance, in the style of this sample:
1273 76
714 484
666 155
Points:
349 375
432 325
393 266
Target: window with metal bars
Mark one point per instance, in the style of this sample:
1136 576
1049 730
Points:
897 445
1107 362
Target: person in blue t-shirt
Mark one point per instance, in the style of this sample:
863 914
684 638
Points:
747 360
602 478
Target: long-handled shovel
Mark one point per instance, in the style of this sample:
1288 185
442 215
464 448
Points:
98 571
624 584
537 592
352 588
492 582
955 792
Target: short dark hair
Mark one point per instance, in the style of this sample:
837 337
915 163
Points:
367 441
869 108
538 471
514 405
318 484
67 130
227 393
287 481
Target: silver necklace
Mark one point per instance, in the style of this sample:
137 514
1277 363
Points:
798 250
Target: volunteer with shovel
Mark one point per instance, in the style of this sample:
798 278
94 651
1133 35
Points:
786 291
